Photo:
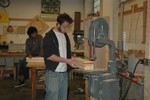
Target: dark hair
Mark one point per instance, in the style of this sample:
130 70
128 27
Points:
31 30
64 17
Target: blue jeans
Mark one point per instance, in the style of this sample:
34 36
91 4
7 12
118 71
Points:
56 85
23 70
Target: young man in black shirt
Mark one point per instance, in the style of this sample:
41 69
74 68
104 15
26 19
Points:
57 56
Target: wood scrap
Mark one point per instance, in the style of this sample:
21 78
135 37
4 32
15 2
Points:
84 64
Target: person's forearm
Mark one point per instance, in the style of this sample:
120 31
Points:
56 58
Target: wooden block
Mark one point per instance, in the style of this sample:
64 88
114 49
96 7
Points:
84 64
35 59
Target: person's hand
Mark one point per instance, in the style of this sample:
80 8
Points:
71 62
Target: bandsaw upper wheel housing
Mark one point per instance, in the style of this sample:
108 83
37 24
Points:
98 30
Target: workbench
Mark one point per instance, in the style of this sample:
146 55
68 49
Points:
11 58
7 54
34 66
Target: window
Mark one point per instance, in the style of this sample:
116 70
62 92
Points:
96 6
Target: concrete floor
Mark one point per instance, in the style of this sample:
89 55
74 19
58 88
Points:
8 92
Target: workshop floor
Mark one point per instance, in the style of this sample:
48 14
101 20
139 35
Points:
8 92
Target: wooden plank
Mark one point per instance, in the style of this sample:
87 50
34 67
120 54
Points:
34 74
137 9
29 19
131 38
120 35
35 59
77 21
144 21
12 54
19 19
84 64
86 90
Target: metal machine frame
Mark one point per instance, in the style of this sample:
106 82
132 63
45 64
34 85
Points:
102 85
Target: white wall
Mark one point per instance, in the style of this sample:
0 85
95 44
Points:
27 9
24 8
30 8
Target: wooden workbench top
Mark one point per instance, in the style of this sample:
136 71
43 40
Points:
35 62
7 54
38 65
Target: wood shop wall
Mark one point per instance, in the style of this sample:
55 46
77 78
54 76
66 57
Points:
129 23
22 12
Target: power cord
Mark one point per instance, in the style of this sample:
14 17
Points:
141 61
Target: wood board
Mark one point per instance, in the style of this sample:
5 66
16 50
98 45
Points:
84 64
35 59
